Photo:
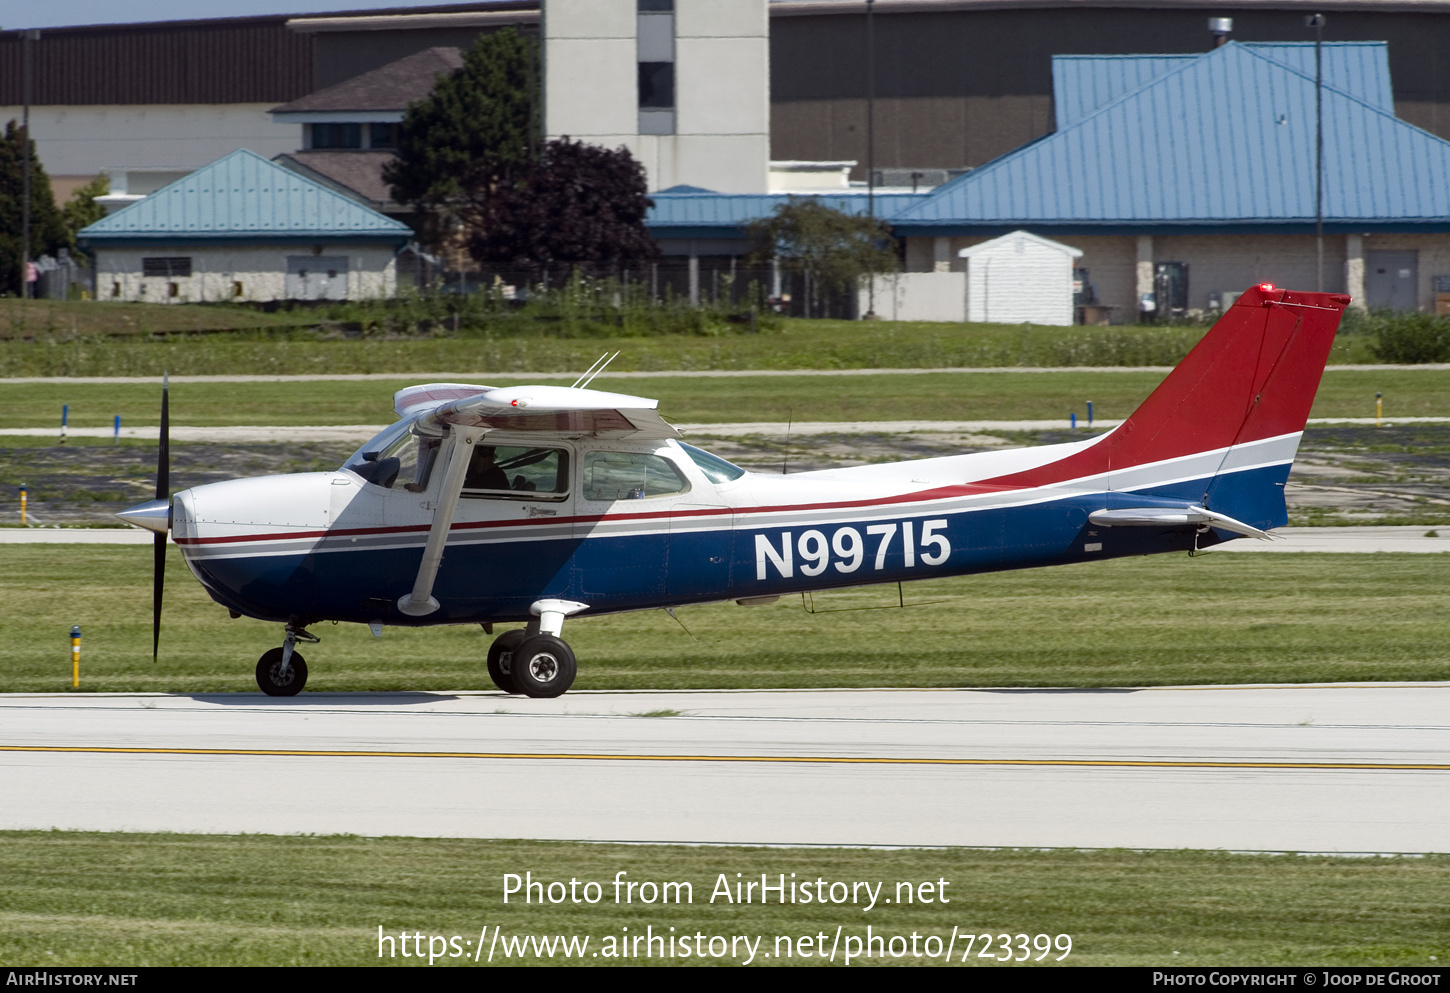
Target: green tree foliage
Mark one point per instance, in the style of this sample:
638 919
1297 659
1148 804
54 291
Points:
473 131
1411 338
578 203
832 248
81 209
47 229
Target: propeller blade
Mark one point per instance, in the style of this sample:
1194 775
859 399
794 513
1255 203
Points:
163 492
163 455
158 580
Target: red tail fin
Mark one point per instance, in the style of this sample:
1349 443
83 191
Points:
1253 376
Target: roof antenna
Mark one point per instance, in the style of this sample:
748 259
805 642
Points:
590 373
585 374
785 459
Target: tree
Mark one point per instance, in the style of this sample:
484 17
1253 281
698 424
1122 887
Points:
47 229
81 210
831 248
474 130
578 203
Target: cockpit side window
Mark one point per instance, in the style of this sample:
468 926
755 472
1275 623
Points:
503 472
630 476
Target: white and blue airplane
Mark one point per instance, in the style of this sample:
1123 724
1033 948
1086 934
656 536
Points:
533 504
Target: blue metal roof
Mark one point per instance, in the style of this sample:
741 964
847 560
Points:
1082 84
244 196
721 215
1226 139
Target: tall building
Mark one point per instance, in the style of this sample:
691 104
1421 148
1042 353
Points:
683 84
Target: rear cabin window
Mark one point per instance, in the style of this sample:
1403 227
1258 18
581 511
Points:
517 472
630 476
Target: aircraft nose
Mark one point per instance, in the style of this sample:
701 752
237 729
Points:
153 515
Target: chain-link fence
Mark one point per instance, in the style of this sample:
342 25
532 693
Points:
722 283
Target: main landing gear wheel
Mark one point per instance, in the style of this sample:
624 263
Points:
271 679
543 666
500 656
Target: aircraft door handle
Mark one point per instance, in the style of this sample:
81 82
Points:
540 512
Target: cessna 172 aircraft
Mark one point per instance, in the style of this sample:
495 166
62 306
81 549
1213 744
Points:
538 503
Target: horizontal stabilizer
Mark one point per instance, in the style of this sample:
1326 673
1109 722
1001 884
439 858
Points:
1173 517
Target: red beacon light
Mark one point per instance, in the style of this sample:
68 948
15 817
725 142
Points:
1266 287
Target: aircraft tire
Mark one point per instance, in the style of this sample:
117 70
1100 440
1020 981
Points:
506 642
267 680
543 666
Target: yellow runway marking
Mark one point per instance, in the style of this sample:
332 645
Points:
811 759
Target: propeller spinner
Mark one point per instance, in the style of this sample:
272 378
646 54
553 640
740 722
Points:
155 515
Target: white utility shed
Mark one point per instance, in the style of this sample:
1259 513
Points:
1020 278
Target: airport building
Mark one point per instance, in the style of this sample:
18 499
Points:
244 229
963 100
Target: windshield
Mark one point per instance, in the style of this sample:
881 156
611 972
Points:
716 469
396 457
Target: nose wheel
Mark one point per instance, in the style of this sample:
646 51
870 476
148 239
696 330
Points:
276 681
282 671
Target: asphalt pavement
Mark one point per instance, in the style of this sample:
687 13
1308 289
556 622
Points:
1326 768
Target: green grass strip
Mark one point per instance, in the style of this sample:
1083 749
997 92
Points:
170 899
1161 620
884 397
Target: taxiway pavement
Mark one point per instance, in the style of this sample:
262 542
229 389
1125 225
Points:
1326 768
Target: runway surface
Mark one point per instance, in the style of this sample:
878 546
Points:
1326 768
1348 539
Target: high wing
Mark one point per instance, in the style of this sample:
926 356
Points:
557 410
470 412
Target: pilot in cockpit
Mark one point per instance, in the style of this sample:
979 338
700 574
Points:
483 472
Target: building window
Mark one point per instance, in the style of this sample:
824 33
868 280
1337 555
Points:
655 53
336 135
656 85
382 136
166 266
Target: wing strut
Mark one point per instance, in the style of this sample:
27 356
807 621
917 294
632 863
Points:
421 601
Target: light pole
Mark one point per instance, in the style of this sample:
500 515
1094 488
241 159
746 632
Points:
26 38
870 146
1316 21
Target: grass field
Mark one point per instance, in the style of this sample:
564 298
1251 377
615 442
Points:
53 318
116 899
932 396
112 339
1218 618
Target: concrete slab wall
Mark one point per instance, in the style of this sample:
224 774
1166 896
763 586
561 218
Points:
919 296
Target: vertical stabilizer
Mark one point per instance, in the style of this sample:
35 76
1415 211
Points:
1252 378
